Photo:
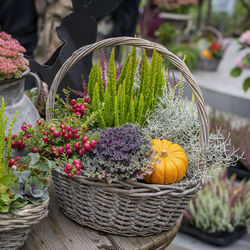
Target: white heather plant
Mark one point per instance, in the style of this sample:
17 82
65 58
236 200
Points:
176 120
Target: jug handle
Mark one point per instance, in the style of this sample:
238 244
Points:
37 80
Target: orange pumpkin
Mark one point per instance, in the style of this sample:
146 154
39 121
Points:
170 163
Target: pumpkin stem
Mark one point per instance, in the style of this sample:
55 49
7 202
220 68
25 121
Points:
163 153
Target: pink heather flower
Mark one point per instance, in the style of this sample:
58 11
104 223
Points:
240 64
12 61
245 37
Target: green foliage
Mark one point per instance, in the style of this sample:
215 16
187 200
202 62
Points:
140 109
246 60
246 84
5 149
166 33
26 182
192 55
123 72
242 64
92 82
123 100
220 206
223 21
131 113
235 71
96 97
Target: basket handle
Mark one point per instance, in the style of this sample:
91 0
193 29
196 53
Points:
142 43
215 31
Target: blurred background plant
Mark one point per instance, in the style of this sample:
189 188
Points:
175 6
220 206
166 33
239 136
188 51
243 61
41 104
12 61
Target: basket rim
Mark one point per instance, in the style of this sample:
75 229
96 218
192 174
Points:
141 43
26 216
139 189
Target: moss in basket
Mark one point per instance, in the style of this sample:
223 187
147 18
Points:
122 153
124 99
220 206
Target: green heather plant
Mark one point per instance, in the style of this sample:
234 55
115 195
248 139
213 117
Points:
5 149
123 100
220 206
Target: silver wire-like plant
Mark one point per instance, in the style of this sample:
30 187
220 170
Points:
176 119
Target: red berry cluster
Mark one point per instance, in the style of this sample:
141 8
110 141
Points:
20 143
12 161
74 168
78 108
66 138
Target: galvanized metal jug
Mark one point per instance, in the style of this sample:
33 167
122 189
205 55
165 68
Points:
15 100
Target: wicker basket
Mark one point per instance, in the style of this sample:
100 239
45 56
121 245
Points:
14 229
136 209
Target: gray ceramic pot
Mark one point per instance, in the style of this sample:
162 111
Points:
15 100
208 64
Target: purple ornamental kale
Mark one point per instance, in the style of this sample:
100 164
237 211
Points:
120 143
121 153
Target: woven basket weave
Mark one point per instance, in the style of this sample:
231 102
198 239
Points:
14 229
136 209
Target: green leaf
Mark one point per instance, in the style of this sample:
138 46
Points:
22 176
35 187
80 100
246 60
3 188
4 209
33 159
6 180
4 198
235 72
246 84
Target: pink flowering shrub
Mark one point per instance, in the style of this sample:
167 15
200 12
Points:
240 62
245 37
12 61
243 62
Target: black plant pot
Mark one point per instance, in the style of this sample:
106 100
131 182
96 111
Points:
218 238
240 171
